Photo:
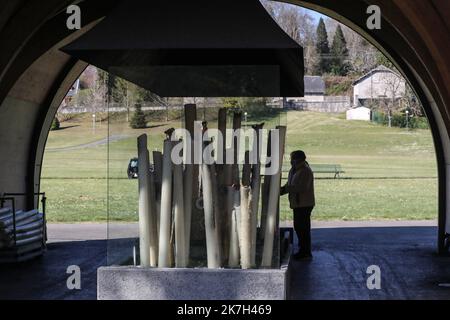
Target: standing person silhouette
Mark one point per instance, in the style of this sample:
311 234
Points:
300 187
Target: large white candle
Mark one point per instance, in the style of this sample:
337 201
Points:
233 205
274 196
166 207
144 209
153 220
212 245
180 227
245 242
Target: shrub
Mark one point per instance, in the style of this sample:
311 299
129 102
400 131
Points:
338 86
418 123
379 117
56 125
399 120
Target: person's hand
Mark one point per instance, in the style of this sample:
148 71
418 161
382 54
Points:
236 186
283 190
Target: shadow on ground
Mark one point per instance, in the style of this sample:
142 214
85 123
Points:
410 268
46 277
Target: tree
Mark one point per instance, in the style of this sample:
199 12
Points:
138 121
362 54
322 48
230 102
95 98
311 59
339 52
381 59
412 103
294 20
394 88
298 23
119 89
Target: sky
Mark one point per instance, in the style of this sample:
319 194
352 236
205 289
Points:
316 15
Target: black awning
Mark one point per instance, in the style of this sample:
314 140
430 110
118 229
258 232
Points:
197 48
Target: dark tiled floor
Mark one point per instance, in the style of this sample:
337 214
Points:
410 268
46 277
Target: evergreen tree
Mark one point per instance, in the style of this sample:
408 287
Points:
339 52
119 89
138 121
322 48
230 102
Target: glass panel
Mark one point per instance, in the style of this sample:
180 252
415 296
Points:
132 105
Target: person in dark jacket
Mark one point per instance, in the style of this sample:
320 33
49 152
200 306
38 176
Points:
300 187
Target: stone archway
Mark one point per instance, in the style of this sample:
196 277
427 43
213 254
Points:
35 75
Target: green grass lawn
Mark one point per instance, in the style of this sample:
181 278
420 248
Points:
75 175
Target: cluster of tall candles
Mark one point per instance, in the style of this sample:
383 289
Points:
231 196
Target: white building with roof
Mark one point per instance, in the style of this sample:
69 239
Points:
379 83
314 90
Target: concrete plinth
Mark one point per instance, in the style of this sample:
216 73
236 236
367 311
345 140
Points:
136 283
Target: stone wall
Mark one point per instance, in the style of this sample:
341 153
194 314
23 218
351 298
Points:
331 104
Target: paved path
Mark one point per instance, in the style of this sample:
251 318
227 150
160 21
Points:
100 142
342 252
98 231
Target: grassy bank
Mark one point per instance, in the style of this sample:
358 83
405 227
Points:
391 172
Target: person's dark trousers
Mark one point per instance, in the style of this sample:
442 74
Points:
302 226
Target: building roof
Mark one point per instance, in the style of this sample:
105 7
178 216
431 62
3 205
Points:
380 68
314 85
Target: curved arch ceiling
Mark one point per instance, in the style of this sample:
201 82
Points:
34 74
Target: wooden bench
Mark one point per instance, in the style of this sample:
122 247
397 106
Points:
335 169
